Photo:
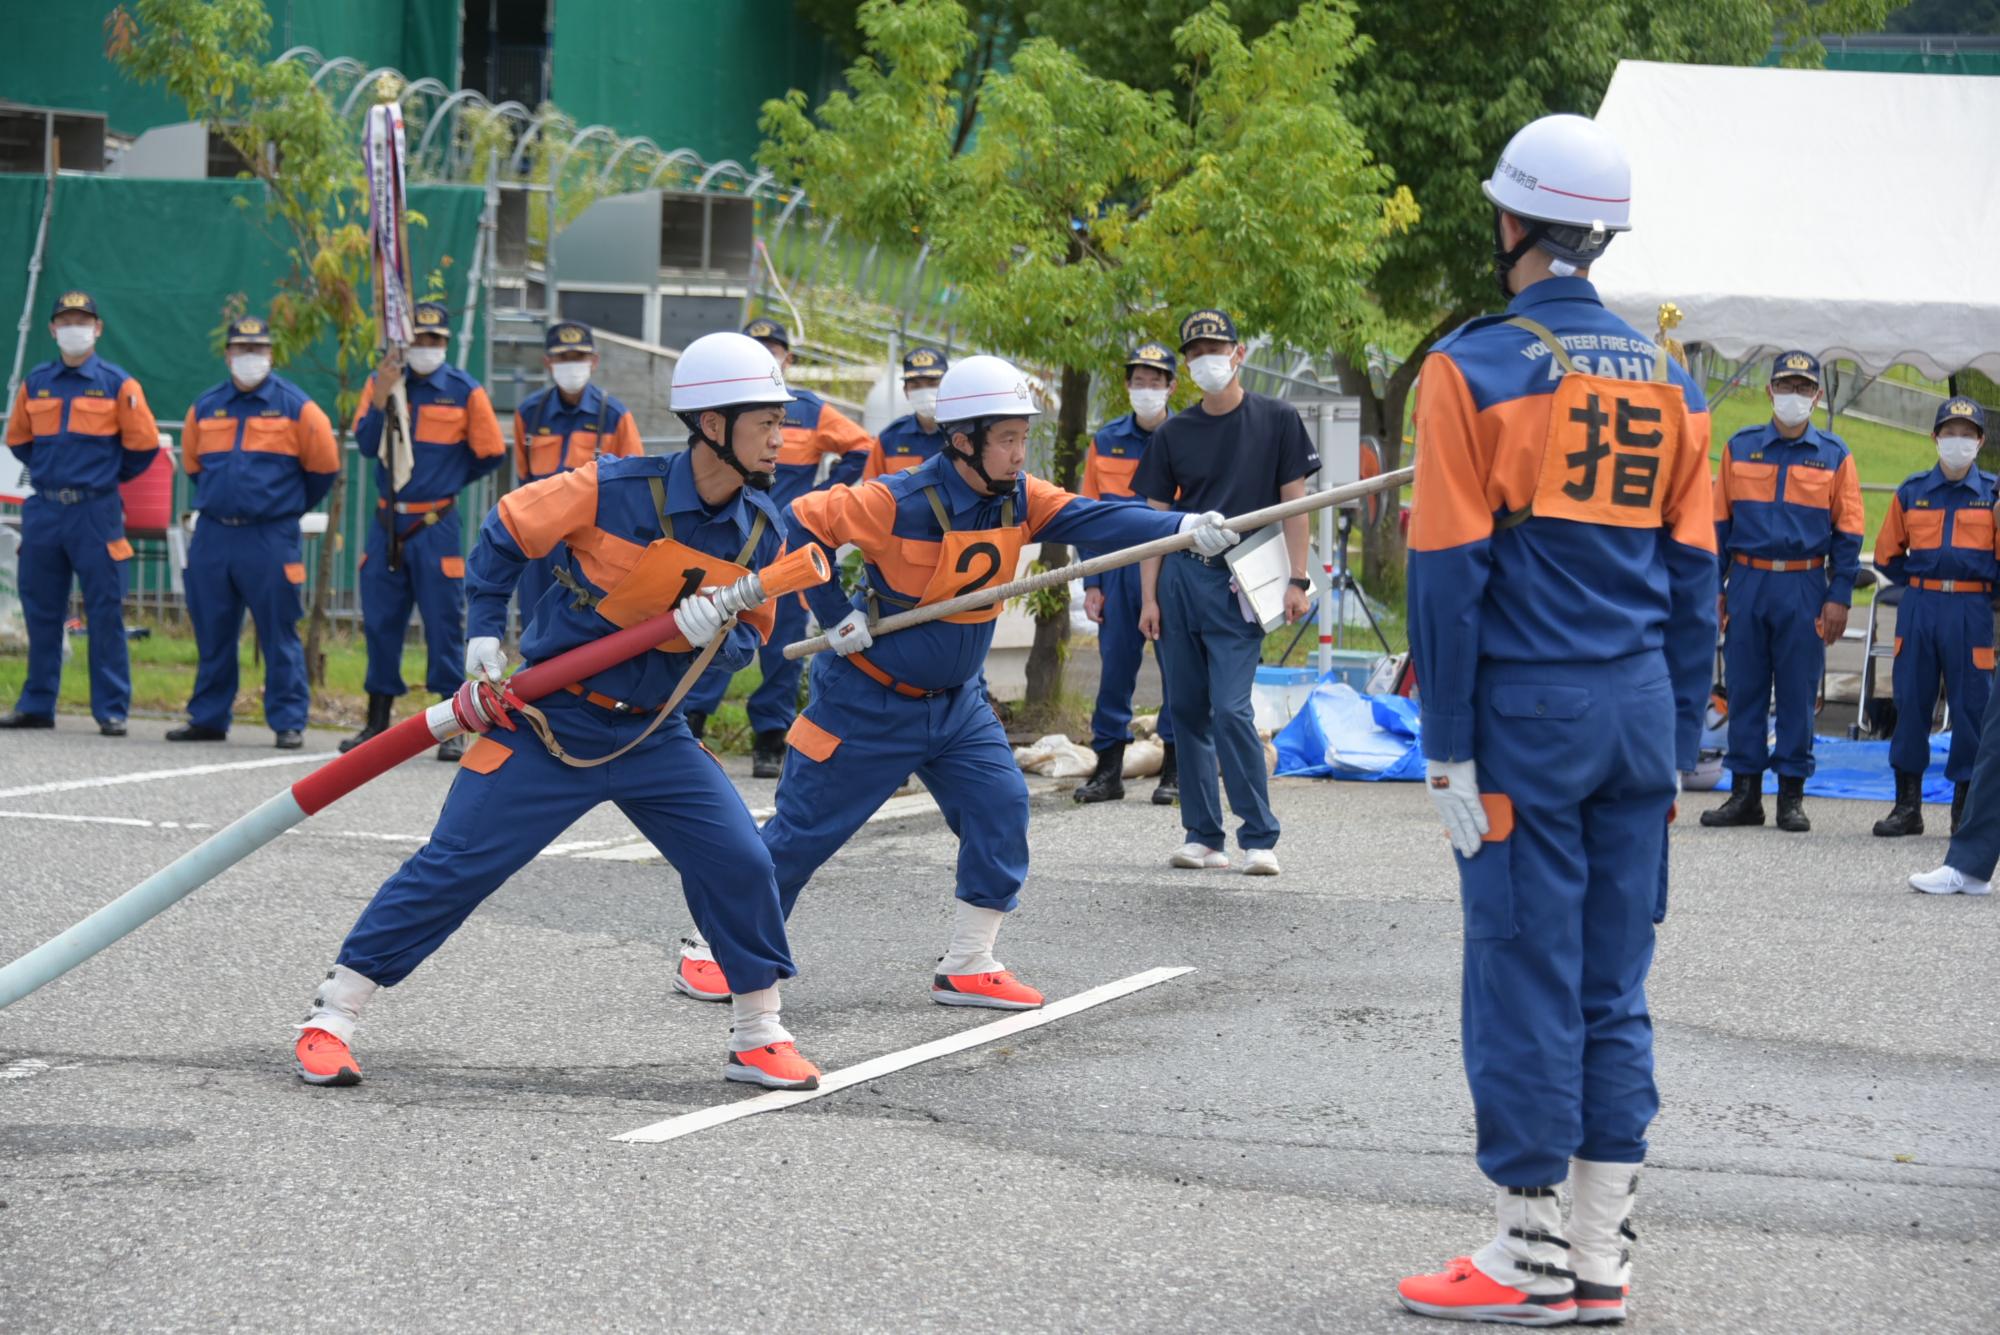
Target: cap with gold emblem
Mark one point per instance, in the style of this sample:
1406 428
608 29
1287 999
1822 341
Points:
73 300
768 331
1207 324
924 364
250 329
432 318
1795 363
568 336
1154 355
1960 409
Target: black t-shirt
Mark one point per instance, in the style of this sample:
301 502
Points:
1234 463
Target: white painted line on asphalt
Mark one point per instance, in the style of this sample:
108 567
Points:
639 849
875 1068
69 819
152 775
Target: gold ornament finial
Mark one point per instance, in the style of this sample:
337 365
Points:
1670 316
388 88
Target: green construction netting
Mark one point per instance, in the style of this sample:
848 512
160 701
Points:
162 258
1908 62
685 76
55 51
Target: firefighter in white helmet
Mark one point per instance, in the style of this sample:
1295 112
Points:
1562 620
636 535
915 702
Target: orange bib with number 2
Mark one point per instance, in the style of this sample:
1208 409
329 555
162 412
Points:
973 560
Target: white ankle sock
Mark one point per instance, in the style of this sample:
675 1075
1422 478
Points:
973 932
753 1020
337 1004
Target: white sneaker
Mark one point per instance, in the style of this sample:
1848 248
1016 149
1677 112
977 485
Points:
1261 862
1199 857
1949 880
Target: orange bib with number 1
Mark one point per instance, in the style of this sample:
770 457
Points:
669 572
973 560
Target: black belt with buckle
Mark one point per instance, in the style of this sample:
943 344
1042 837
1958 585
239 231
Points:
72 495
1212 562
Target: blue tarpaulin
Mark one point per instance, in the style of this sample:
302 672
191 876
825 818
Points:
1860 770
1343 734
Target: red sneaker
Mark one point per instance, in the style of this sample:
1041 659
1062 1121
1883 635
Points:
1464 1292
701 979
325 1060
776 1066
999 991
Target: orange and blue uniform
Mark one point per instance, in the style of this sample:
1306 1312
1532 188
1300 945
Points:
813 429
903 445
455 440
1940 543
1788 524
552 435
259 459
1562 621
1114 455
636 537
915 702
79 431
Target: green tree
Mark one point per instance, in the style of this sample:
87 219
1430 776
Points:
1086 213
214 56
1439 96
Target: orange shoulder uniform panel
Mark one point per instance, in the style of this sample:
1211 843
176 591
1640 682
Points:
136 426
1894 539
1450 505
318 453
482 428
542 514
624 438
1689 507
864 515
1045 499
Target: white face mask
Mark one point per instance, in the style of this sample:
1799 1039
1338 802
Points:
248 369
924 402
76 339
1957 452
1147 403
1792 409
1213 372
424 360
570 377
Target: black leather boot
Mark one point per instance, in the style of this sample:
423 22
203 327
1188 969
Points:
767 754
377 724
1107 782
1958 791
452 749
1792 805
1167 792
1745 805
697 724
1907 816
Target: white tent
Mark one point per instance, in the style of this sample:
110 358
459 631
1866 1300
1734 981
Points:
1853 215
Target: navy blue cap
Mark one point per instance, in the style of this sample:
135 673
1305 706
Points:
432 318
924 363
768 331
1207 324
1154 355
568 336
1796 363
249 329
1960 409
73 300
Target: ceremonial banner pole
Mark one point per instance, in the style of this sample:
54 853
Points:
329 783
389 266
1244 523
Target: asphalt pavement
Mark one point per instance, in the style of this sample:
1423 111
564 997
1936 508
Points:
1264 1144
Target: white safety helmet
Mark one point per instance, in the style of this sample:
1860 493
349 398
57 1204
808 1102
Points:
1569 181
727 371
984 387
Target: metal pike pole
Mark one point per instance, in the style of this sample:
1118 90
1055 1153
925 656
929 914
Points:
332 781
1244 523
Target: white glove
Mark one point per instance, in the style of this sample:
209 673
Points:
483 659
1210 538
852 635
699 619
1454 789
